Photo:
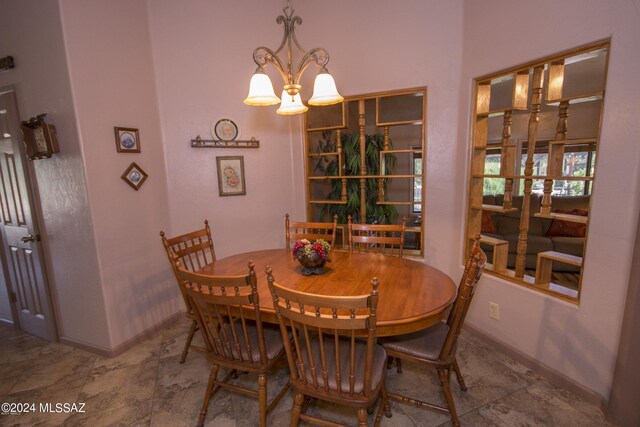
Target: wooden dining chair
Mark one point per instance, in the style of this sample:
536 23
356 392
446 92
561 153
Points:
387 239
227 311
296 230
326 360
436 346
194 250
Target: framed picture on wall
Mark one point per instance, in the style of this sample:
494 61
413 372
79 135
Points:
127 140
231 175
134 176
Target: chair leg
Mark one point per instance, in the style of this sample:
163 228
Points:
444 374
296 410
262 398
384 406
362 417
390 360
192 331
456 369
207 395
385 401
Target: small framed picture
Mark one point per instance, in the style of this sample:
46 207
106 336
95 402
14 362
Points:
231 175
127 140
134 176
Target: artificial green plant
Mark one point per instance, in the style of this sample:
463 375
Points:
375 213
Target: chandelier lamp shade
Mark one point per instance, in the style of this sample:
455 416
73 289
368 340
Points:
291 104
261 91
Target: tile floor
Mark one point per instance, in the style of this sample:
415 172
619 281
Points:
147 386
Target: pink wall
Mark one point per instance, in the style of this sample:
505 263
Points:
203 61
579 342
380 45
42 85
385 46
180 65
113 84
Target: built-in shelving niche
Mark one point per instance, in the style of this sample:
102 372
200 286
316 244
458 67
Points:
535 140
335 183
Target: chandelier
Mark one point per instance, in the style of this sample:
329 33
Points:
261 89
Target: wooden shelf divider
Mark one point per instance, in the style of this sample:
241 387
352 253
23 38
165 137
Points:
497 208
564 217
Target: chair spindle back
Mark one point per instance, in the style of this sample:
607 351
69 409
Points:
223 306
194 250
473 268
296 230
323 357
387 239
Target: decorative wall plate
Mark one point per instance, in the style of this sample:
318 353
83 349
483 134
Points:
224 129
127 140
134 176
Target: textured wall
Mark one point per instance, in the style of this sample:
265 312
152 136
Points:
109 54
173 69
203 60
578 341
42 85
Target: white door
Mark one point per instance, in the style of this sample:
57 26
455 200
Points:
22 262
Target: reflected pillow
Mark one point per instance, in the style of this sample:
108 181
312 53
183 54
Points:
487 225
560 228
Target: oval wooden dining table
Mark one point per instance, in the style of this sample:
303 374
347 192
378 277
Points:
412 295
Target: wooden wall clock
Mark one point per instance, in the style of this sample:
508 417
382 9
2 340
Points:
39 138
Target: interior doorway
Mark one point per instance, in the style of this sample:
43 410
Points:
24 277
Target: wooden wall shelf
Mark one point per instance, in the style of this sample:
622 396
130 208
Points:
397 203
325 154
588 97
556 178
497 208
328 202
501 111
541 177
216 143
575 141
564 217
321 177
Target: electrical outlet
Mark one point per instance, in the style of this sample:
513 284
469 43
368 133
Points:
494 310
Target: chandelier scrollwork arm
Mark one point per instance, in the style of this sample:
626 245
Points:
263 56
318 56
261 89
289 22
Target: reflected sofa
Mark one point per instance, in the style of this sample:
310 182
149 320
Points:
544 234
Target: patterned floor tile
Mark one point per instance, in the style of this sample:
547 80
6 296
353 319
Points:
147 386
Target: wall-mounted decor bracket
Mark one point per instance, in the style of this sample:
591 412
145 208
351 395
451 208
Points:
216 143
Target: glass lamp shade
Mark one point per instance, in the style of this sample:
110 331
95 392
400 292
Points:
261 90
291 105
324 90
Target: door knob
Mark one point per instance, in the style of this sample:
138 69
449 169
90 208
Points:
29 238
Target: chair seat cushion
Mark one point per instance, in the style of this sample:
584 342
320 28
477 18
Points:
425 344
377 369
272 339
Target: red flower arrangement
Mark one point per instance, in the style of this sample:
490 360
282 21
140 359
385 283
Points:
311 249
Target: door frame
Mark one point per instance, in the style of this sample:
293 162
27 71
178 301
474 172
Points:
32 194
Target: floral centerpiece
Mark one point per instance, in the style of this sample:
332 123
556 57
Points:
312 254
